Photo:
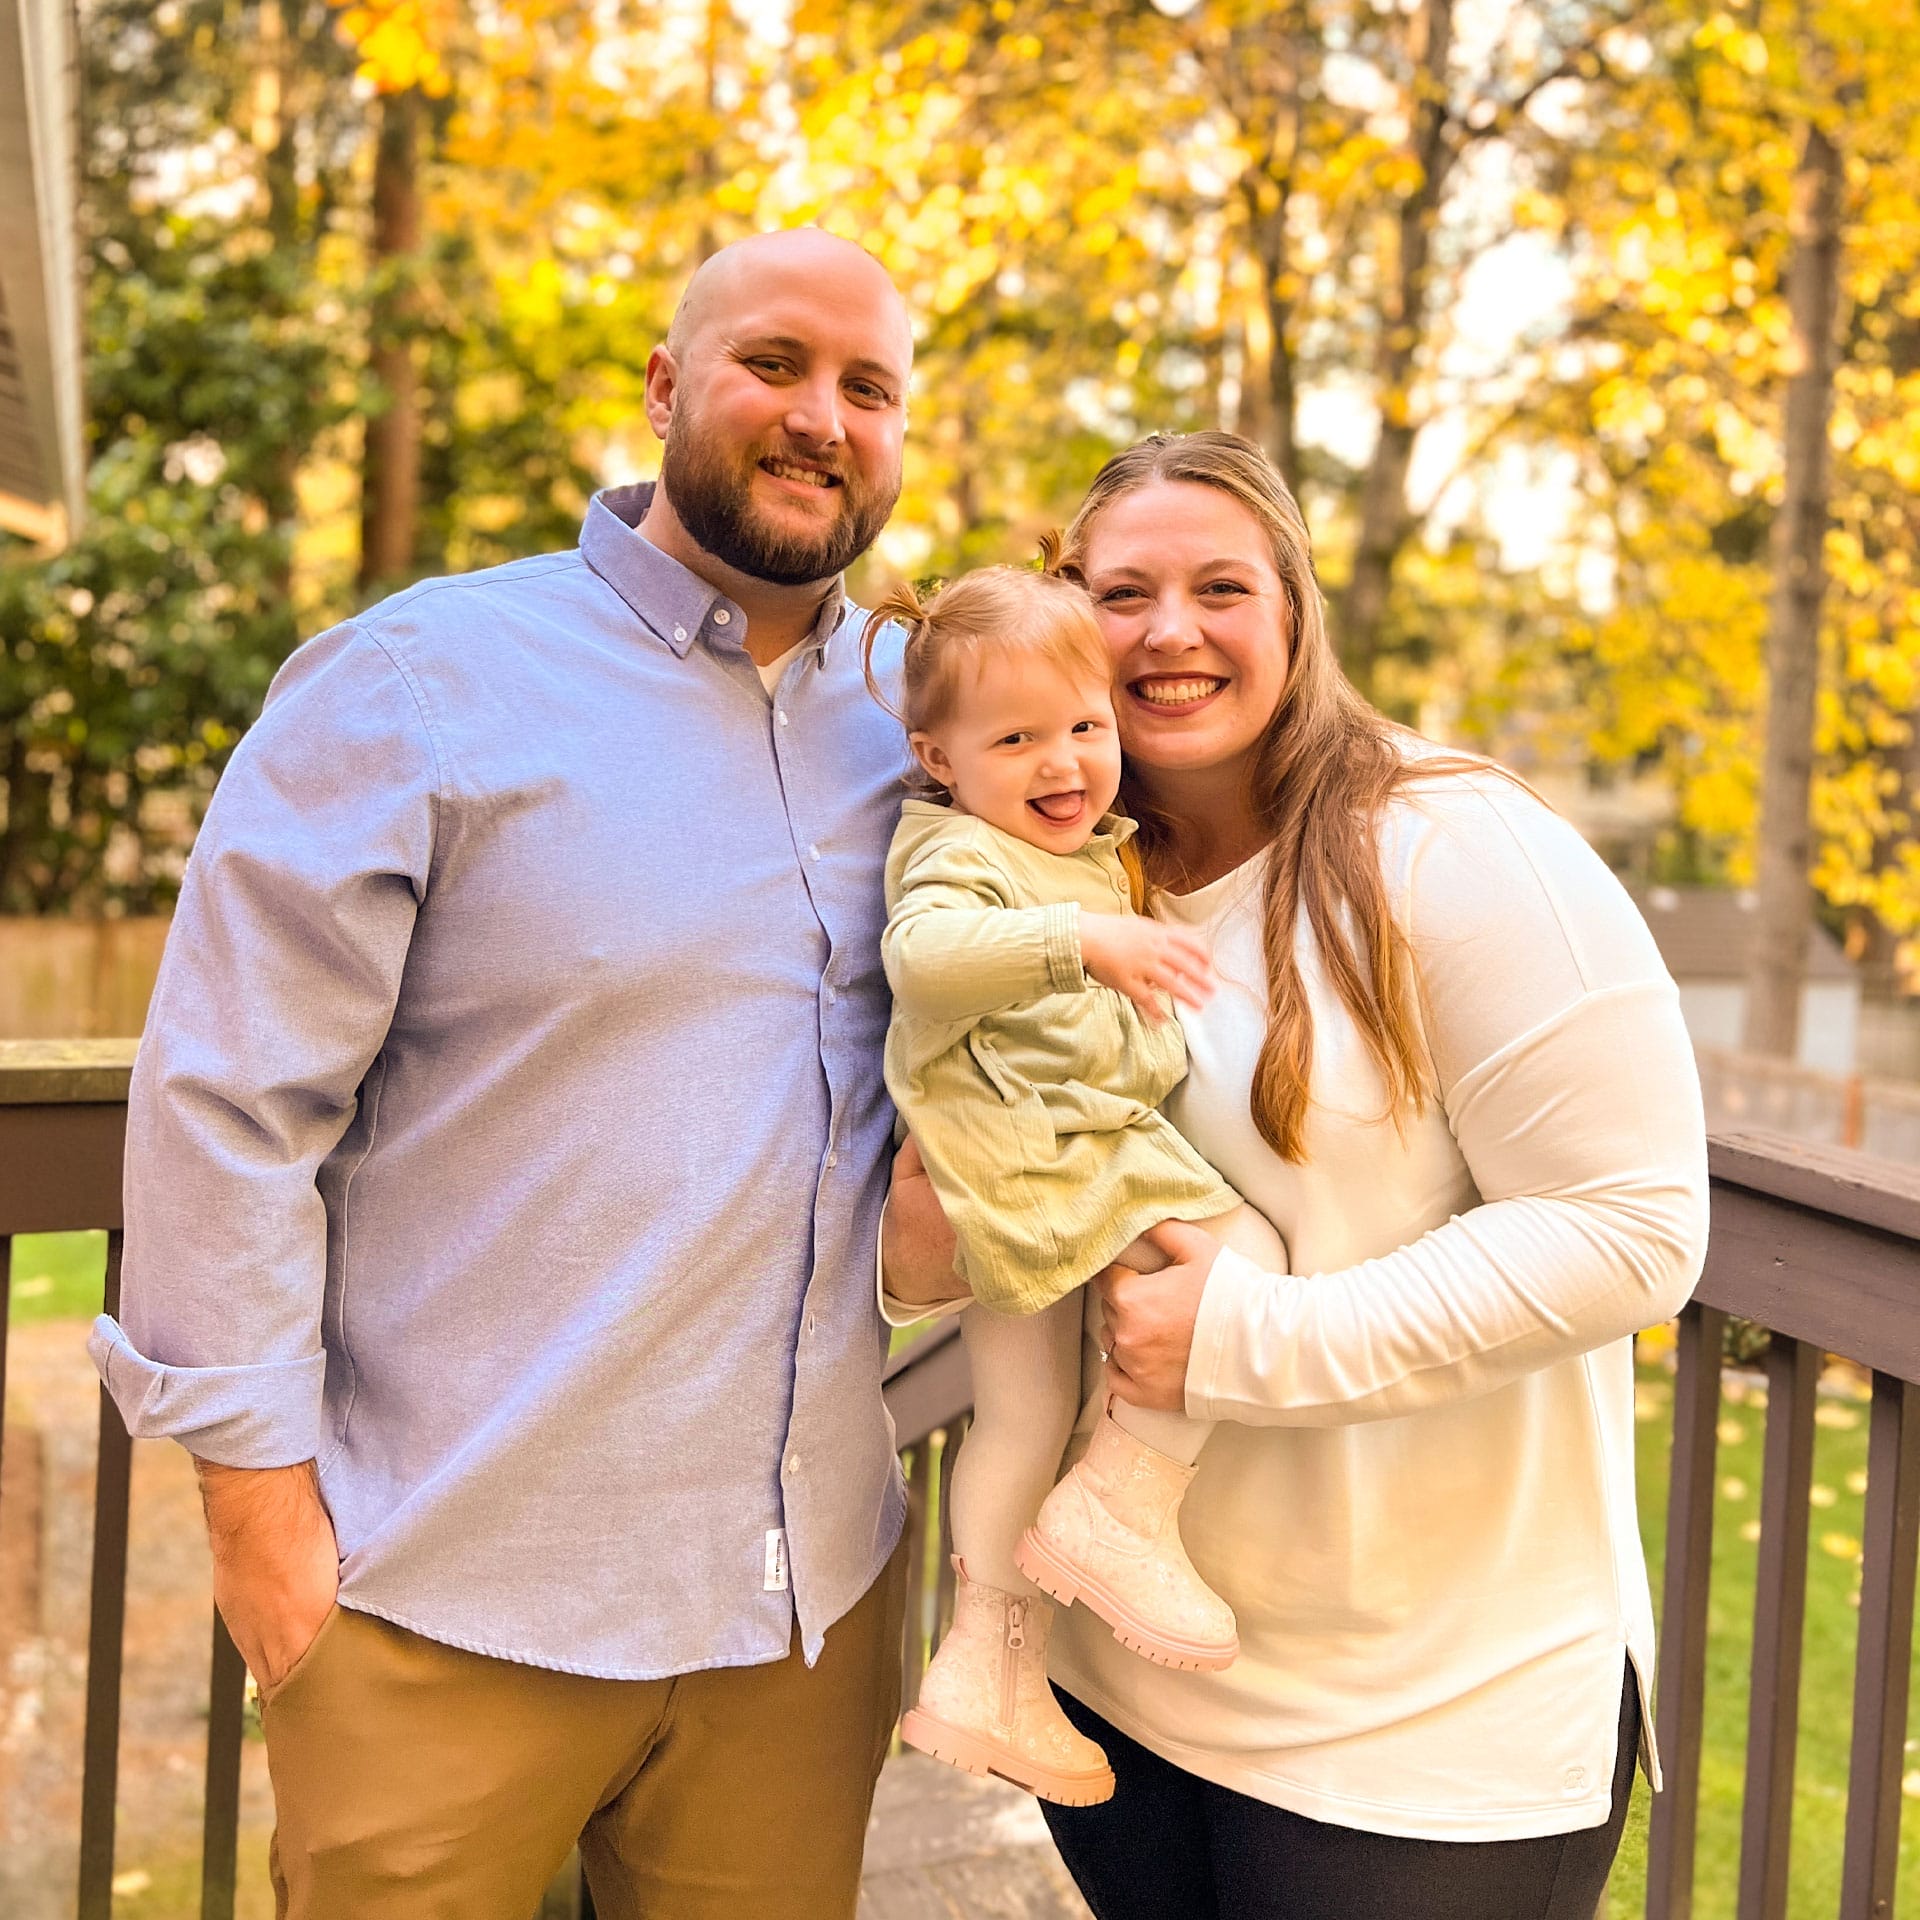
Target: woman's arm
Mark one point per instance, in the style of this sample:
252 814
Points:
1568 1081
918 1276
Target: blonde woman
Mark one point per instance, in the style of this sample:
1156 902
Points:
1444 1059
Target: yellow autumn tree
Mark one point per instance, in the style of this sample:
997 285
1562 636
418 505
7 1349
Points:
1679 217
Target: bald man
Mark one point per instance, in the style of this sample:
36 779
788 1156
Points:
504 1163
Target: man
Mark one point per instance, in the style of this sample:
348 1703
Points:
505 1157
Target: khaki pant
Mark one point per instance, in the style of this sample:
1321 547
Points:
411 1778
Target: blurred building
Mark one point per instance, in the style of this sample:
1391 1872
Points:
42 451
1705 935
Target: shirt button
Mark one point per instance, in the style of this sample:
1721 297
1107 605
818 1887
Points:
783 716
833 1160
833 998
721 617
793 1463
679 633
813 853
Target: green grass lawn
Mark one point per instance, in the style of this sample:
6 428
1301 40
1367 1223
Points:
1826 1691
59 1276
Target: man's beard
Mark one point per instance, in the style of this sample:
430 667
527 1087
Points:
712 495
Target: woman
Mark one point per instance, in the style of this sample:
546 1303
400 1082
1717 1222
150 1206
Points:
1446 1062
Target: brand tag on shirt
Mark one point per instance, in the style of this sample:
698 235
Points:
776 1573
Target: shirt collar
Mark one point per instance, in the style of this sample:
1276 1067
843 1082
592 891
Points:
670 600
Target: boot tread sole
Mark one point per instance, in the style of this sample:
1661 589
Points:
1067 1584
987 1759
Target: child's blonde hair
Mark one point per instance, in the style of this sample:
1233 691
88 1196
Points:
1045 613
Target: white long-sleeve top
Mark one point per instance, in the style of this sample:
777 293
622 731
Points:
1420 1500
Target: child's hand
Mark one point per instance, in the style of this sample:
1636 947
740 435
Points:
1145 960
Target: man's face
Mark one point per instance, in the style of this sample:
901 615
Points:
786 413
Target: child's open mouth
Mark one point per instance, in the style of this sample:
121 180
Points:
1063 809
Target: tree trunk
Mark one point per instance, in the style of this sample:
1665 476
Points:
1256 73
1872 945
1778 963
1385 519
274 82
1268 408
390 474
17 834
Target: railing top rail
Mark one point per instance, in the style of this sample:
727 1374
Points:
923 1345
927 1383
1838 1181
63 1073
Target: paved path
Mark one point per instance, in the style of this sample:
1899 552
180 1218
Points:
945 1846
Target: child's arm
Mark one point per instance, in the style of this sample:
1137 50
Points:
955 949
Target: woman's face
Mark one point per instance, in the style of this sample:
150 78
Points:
1191 603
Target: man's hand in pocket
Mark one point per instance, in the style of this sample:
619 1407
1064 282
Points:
276 1565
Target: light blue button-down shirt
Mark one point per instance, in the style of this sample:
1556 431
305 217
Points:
509 1133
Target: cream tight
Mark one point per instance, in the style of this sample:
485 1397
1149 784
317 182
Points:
1026 1395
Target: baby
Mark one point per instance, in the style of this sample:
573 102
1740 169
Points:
1032 1042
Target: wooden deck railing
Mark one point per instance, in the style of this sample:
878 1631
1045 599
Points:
1819 1246
1822 1247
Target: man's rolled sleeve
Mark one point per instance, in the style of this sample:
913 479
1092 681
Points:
258 1416
275 995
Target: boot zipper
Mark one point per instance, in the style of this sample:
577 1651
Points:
1010 1661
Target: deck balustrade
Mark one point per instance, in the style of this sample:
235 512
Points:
1819 1246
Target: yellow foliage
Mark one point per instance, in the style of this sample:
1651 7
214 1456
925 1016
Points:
400 42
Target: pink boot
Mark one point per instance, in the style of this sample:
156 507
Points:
986 1708
1109 1536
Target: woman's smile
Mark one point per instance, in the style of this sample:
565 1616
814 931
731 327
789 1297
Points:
1182 693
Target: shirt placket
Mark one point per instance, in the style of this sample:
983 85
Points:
796 754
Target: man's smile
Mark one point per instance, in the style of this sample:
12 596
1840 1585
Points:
801 473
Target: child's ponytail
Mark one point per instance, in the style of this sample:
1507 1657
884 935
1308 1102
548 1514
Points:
900 604
1052 546
994 609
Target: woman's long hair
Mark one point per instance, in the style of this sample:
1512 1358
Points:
1323 770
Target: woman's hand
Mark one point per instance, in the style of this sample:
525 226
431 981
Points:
1145 960
917 1247
1150 1317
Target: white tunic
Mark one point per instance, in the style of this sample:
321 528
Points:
1420 1500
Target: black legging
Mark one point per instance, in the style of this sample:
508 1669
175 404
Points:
1169 1846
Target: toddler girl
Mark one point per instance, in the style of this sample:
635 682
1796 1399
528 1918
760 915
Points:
1032 1041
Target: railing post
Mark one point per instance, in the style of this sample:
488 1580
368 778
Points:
1680 1712
1779 1616
6 1308
913 1641
944 1580
1890 1541
220 1833
100 1767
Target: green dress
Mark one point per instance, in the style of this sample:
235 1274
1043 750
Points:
1032 1091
